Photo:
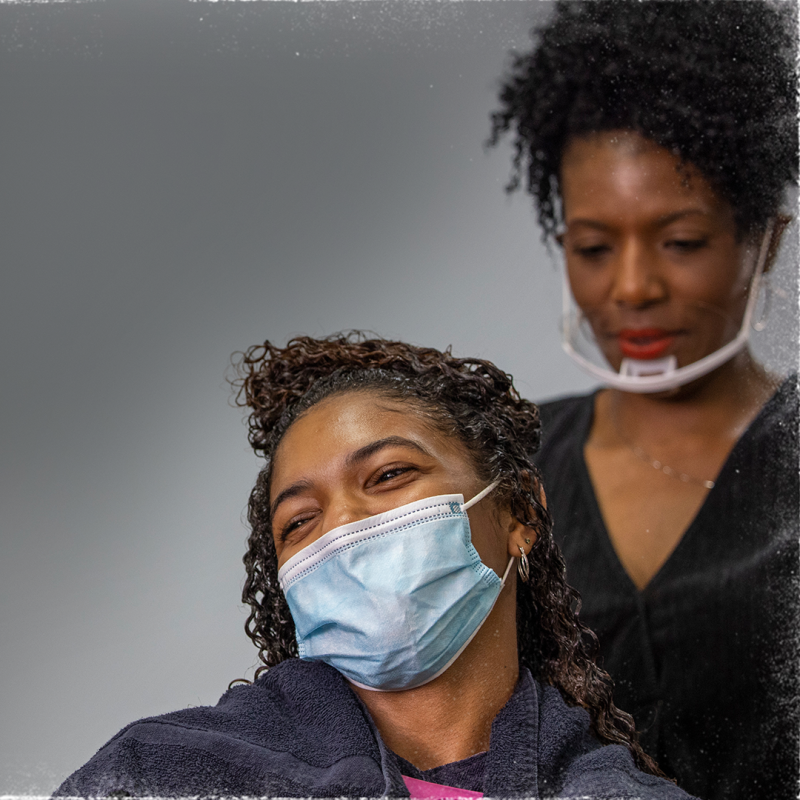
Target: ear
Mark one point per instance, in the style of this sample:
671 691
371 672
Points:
519 535
781 224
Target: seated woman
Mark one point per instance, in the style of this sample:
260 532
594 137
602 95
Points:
402 652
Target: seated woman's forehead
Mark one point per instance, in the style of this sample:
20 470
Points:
345 423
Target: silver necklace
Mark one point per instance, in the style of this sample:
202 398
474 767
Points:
642 455
667 470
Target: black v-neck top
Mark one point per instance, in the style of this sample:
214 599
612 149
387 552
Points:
706 656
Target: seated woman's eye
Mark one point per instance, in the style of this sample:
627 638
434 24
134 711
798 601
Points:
294 524
389 473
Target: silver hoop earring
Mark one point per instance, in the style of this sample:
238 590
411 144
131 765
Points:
523 567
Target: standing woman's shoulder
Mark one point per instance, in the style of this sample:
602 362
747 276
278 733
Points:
563 418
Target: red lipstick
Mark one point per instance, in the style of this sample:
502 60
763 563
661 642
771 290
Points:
644 343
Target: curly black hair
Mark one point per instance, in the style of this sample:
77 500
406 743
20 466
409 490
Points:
713 81
471 400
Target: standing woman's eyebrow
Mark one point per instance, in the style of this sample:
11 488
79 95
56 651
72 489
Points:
668 219
370 449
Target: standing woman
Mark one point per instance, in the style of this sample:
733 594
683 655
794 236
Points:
657 140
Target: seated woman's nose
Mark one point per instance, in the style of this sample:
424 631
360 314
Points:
344 512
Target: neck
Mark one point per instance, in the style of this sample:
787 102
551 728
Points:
720 405
450 718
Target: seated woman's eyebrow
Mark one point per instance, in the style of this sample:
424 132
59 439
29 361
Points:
290 491
363 453
353 459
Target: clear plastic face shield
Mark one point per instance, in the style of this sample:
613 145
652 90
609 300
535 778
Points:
597 340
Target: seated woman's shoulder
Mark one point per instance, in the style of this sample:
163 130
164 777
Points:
573 763
279 736
300 731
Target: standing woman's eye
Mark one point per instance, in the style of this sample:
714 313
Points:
588 248
592 250
688 245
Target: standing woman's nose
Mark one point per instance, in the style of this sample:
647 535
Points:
637 280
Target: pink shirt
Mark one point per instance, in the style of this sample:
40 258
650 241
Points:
423 790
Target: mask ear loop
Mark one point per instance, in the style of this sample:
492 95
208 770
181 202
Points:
505 574
478 497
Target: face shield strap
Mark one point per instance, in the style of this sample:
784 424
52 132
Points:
661 374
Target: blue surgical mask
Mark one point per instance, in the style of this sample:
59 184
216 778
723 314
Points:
392 600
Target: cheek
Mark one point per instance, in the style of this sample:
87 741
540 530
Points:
722 283
490 542
278 551
589 287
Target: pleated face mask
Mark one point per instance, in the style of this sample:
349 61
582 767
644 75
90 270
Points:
392 600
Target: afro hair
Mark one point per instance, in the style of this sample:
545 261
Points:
713 81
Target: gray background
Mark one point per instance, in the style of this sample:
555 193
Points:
179 181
